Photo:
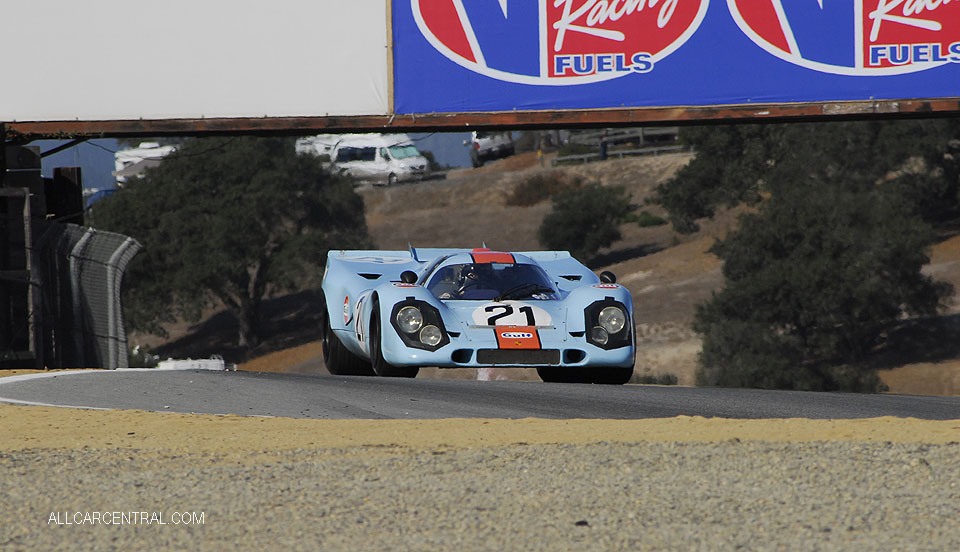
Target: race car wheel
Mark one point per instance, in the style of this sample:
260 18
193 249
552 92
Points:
605 375
380 366
392 180
475 159
338 360
557 374
612 376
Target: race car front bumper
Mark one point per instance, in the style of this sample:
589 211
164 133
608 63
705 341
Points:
479 347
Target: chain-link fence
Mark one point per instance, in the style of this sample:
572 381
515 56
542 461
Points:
75 279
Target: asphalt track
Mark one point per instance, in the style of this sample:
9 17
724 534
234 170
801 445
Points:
340 397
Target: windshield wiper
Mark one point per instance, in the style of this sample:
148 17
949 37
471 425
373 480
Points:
523 290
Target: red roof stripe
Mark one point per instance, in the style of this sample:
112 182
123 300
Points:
492 257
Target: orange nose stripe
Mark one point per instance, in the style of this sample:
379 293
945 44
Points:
517 337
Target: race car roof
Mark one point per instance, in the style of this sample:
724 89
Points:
391 263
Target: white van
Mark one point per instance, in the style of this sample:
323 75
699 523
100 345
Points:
379 158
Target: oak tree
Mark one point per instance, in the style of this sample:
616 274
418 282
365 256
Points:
229 221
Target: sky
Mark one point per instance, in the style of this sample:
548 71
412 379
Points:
95 157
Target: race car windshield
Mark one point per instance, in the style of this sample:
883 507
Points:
486 281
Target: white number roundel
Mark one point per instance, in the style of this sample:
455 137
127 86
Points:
511 313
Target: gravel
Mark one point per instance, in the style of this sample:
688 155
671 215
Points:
643 496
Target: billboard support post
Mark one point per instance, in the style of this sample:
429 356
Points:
427 122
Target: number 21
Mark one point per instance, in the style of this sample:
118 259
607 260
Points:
507 310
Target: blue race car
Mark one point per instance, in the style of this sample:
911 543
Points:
390 312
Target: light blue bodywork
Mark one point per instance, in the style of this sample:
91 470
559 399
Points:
355 281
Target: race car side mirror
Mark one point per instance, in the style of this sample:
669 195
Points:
408 277
608 277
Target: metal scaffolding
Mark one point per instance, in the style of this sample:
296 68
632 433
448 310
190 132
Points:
59 283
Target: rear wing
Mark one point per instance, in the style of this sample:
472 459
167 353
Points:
369 265
384 265
561 266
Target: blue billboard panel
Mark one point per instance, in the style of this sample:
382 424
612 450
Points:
455 56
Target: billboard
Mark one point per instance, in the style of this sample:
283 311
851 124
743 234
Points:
135 67
458 56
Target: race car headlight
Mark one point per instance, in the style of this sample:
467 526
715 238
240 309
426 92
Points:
419 325
409 319
607 324
612 319
430 336
599 335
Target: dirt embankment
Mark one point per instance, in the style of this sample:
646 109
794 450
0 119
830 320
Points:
32 427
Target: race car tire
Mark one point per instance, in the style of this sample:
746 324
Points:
604 375
380 366
612 376
392 180
475 159
559 374
338 360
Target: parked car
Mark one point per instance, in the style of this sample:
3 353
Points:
379 158
320 145
485 146
390 312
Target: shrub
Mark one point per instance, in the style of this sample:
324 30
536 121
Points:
585 219
141 357
540 187
432 161
646 219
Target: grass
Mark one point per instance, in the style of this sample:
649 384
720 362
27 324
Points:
577 149
646 219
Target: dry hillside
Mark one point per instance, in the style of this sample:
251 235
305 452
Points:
667 273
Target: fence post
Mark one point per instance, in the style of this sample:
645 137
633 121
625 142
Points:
76 290
115 267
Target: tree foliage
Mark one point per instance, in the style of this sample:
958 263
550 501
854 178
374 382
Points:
920 160
812 281
831 257
230 221
585 219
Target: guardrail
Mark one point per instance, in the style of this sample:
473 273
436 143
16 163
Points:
639 136
590 157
